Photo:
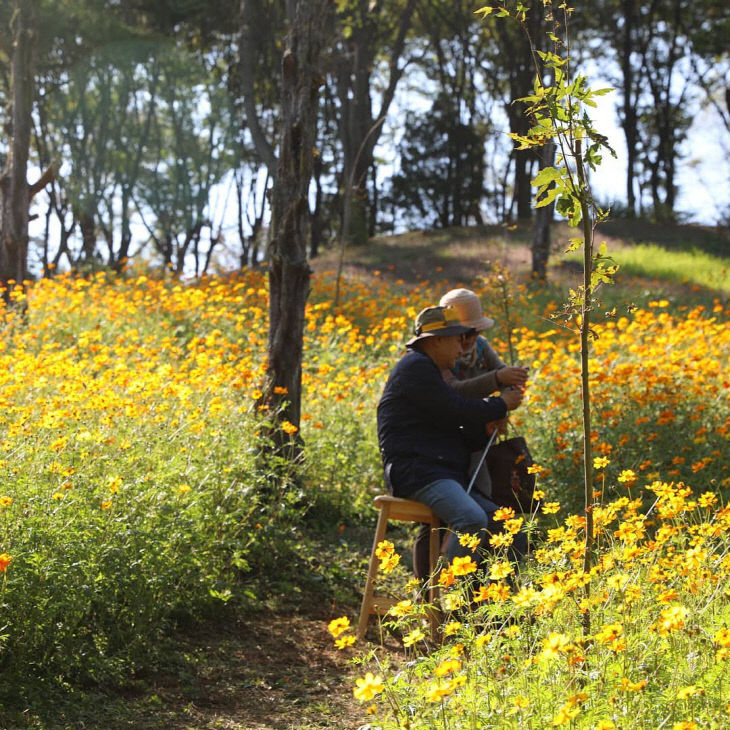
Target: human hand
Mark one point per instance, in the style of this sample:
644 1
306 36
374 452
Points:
513 397
499 426
512 376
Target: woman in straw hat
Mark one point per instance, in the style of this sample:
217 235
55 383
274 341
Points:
479 371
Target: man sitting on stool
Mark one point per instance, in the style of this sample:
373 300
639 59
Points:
427 431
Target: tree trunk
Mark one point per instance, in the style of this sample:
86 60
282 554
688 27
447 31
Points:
88 236
359 130
543 218
629 120
246 67
16 193
289 272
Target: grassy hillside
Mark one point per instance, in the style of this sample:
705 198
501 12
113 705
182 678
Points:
690 262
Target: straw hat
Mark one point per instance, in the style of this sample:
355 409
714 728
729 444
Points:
468 307
437 322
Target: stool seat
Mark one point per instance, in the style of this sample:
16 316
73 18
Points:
403 510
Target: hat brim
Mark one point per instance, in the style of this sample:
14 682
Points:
457 329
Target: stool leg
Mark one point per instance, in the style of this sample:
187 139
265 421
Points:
369 592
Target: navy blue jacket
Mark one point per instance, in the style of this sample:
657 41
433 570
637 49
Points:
426 430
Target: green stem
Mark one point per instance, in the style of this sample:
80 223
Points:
584 372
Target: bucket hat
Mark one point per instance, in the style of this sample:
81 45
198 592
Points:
467 305
437 322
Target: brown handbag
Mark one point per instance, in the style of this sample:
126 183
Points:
512 485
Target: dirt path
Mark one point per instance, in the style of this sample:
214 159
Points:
269 672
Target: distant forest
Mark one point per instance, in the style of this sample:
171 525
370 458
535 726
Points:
140 129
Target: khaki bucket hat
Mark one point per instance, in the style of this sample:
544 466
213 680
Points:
468 307
437 322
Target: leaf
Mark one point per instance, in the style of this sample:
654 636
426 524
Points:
574 244
546 176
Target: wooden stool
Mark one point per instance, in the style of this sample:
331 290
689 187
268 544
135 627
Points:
405 510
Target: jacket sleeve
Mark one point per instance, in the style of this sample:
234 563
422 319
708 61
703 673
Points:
424 385
479 387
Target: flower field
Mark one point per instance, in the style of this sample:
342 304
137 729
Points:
134 495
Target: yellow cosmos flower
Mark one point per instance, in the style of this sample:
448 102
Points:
526 596
389 559
550 508
436 691
566 714
501 539
518 703
463 566
500 570
600 462
555 644
6 501
452 602
446 577
671 619
448 666
289 427
368 686
722 637
414 637
609 633
344 641
628 686
470 541
402 608
627 476
482 640
338 625
388 564
452 628
684 693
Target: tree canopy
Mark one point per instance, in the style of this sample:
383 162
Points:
158 124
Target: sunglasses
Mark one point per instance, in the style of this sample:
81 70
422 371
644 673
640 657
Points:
470 335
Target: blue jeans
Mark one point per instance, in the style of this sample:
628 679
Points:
466 514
